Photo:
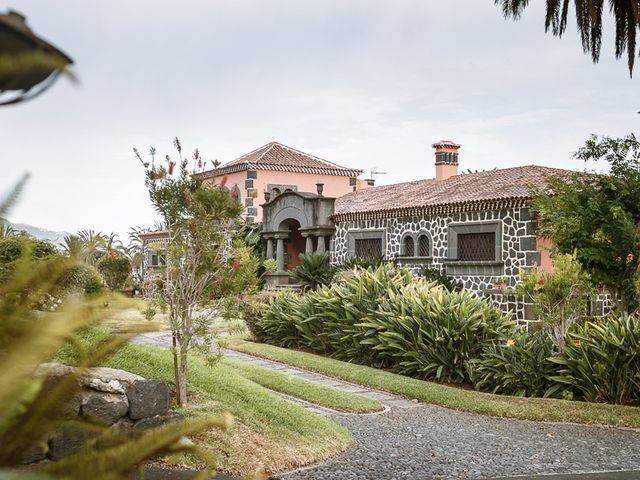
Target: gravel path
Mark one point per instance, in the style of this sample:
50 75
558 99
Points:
420 441
434 442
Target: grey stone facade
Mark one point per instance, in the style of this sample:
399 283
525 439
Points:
515 240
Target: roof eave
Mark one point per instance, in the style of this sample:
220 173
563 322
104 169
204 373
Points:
436 209
279 168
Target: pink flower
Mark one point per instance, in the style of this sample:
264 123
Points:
236 264
541 281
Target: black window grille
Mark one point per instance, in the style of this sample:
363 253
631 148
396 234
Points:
423 246
157 260
409 247
368 247
476 246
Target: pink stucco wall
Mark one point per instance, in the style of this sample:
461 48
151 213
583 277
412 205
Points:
544 246
334 186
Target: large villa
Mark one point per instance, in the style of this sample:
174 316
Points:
474 227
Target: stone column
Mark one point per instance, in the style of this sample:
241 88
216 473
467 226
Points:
280 254
269 248
308 248
321 245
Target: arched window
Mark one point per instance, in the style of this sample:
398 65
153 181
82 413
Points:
409 246
235 193
424 249
275 192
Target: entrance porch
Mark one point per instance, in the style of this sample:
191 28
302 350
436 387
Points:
295 223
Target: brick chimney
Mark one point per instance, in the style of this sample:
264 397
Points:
446 159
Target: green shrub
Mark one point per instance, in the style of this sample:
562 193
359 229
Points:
559 298
278 325
435 275
149 312
425 331
326 319
115 270
601 360
80 278
314 270
519 365
366 263
15 247
384 317
252 310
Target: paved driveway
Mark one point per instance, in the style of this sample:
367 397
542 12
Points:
419 441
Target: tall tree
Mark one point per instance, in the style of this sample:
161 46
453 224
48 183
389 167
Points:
589 16
598 216
199 221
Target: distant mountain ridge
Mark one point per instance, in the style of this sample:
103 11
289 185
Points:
55 237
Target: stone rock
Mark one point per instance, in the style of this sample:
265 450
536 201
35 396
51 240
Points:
158 421
54 370
68 439
35 453
107 374
148 398
104 407
123 425
72 407
111 386
53 374
108 380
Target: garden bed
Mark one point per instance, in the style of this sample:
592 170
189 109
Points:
538 409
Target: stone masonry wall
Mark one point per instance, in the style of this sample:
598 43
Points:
114 398
517 234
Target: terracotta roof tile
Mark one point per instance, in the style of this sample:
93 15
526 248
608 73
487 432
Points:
466 189
279 157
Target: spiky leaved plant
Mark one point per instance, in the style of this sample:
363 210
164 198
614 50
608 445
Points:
314 270
29 409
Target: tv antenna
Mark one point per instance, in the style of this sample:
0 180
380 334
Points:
375 172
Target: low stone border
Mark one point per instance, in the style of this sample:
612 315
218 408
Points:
114 398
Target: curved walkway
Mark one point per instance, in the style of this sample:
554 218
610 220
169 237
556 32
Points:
419 441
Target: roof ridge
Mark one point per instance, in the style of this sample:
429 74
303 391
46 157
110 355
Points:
238 160
269 146
335 165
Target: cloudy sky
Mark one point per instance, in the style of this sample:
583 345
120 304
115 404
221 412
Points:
363 83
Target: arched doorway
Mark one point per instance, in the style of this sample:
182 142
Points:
295 223
294 244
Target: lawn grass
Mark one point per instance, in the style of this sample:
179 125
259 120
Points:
304 389
124 320
538 409
269 432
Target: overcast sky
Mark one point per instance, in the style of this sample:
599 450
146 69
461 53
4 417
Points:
363 83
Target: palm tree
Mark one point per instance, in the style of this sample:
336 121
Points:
135 249
112 245
7 231
73 246
589 15
93 245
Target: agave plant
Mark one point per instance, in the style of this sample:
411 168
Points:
314 270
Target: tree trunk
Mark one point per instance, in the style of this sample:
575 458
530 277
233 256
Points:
174 352
182 388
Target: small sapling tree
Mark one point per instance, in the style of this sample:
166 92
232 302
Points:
199 221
